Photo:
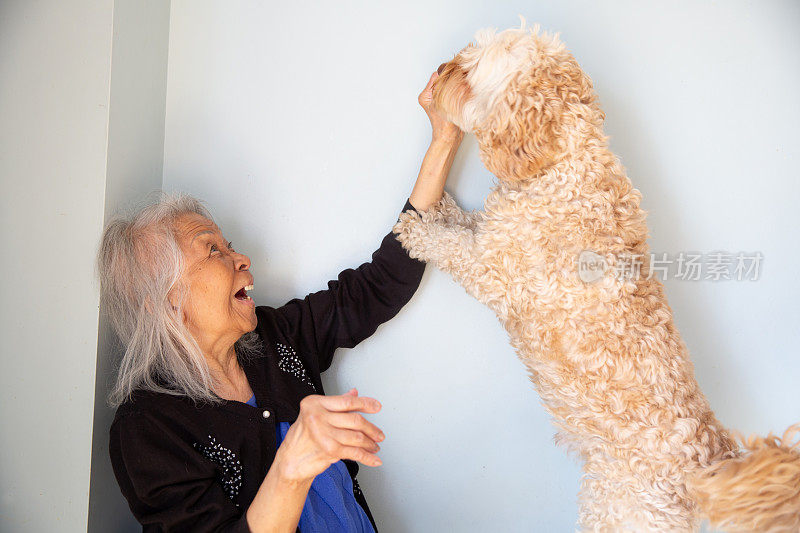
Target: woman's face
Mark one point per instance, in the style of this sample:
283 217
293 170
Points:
218 310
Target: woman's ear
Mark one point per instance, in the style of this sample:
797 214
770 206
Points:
177 304
172 300
172 297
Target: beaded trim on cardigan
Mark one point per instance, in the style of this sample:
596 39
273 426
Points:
231 476
291 364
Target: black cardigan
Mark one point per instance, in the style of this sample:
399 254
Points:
187 467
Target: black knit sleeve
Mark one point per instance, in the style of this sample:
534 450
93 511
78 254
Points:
356 303
168 484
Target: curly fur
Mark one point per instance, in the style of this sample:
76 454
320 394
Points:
757 492
605 357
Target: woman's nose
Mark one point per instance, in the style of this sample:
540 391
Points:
242 262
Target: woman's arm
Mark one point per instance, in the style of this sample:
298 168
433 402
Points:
445 140
350 310
361 299
436 165
327 429
278 503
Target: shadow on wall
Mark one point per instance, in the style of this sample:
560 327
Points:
108 509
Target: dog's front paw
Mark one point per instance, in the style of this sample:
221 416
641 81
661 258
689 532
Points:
405 225
440 211
447 211
410 231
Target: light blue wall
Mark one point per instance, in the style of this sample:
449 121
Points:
55 62
298 124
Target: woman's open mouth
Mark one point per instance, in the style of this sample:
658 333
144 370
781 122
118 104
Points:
242 296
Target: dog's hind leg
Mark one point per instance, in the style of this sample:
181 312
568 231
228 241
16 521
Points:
612 507
613 498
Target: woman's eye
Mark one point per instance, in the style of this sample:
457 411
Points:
214 248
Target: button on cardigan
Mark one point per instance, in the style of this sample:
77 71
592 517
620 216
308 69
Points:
197 467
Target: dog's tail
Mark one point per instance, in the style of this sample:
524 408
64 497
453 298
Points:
757 491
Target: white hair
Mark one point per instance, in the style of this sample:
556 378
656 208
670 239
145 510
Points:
139 262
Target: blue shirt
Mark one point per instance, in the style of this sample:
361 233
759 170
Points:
330 506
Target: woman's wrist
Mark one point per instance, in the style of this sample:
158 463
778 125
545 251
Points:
279 501
285 474
448 137
433 173
291 483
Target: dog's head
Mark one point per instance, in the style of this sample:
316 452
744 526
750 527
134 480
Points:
520 92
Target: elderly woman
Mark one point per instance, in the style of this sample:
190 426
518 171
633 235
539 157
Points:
221 422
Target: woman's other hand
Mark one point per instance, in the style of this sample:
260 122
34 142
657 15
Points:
328 429
442 128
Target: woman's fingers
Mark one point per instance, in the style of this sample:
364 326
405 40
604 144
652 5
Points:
356 439
432 79
345 402
356 422
359 454
339 431
425 98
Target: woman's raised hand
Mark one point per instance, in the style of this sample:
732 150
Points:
445 139
328 429
442 128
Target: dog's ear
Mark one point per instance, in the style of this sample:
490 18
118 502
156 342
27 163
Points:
573 85
531 123
519 138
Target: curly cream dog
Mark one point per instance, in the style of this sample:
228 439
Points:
605 357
